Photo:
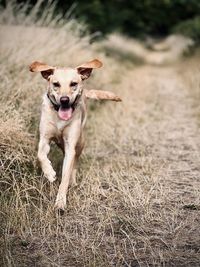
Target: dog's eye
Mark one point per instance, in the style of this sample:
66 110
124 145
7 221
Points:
73 84
56 84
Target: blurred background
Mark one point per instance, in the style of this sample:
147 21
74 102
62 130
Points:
133 18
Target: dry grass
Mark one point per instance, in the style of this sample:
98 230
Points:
137 200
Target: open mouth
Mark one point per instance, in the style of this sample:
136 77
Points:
66 109
65 113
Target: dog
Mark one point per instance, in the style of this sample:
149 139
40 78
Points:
63 119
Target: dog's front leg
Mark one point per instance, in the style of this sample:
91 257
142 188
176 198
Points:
67 169
68 164
43 151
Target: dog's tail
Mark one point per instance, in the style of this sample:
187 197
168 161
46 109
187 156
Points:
102 95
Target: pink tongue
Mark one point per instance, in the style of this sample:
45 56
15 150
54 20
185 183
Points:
65 114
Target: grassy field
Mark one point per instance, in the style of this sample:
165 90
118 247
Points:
137 201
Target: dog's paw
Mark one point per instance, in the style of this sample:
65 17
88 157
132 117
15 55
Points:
60 204
51 176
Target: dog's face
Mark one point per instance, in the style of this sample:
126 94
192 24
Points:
65 85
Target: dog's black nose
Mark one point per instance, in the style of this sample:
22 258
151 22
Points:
64 100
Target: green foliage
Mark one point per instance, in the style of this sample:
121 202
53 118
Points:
135 18
190 28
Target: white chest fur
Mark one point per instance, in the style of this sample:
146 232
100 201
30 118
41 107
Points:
60 124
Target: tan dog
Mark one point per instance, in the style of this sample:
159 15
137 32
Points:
63 118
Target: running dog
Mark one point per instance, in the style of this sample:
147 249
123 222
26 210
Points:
63 118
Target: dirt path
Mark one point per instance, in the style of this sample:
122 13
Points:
154 150
174 134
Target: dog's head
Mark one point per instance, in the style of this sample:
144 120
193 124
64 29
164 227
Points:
65 85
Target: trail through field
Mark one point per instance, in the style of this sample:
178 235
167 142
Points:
170 128
137 199
156 144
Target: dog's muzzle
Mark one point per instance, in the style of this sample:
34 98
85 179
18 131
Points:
64 102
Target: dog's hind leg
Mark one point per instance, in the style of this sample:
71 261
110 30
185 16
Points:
102 95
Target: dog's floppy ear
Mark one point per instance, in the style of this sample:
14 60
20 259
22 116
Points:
45 69
86 69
